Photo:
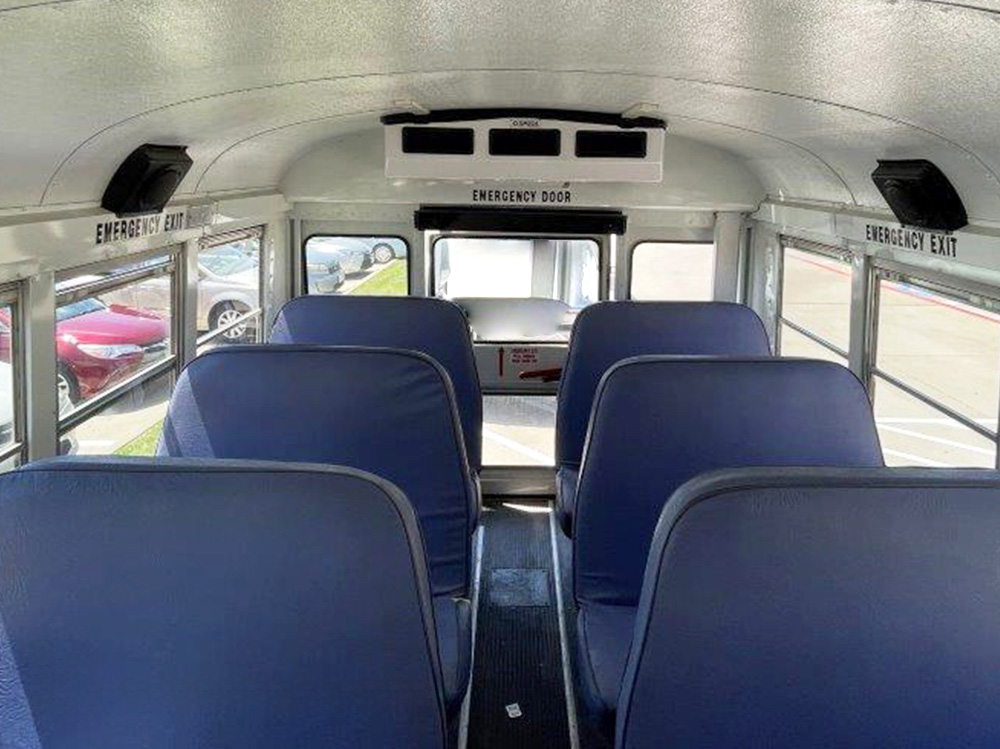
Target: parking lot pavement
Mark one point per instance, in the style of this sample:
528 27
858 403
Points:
113 429
519 430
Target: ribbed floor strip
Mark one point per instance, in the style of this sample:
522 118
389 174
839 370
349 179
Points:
518 698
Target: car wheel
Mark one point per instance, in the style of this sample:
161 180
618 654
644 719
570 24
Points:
226 314
383 253
67 387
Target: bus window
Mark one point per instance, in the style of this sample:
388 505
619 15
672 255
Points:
937 377
673 272
114 356
554 278
364 266
11 448
562 269
229 290
815 305
519 430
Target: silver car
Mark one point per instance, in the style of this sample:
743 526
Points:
228 287
353 255
324 272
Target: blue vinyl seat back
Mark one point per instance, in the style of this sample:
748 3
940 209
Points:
607 332
805 608
660 421
191 604
436 327
380 410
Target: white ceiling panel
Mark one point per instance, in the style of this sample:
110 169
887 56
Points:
807 92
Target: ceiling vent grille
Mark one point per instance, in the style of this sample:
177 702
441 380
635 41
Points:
543 146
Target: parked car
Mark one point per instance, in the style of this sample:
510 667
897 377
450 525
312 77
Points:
68 444
228 288
324 274
6 404
354 255
385 249
98 345
382 249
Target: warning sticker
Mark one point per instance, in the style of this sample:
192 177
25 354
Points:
524 356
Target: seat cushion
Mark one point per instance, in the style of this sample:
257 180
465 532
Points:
604 635
454 632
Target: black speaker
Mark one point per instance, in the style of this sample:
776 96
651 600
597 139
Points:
146 180
920 195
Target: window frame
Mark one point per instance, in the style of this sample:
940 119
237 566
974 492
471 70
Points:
304 279
11 295
631 260
171 362
827 252
964 292
257 313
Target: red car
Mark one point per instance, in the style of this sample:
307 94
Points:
99 345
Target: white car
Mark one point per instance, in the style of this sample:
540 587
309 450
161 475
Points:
67 444
6 404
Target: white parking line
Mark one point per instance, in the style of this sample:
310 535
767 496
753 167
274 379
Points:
535 455
937 440
915 458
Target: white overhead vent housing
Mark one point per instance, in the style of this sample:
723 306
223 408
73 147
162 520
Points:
542 145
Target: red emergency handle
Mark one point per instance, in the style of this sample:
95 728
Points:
545 375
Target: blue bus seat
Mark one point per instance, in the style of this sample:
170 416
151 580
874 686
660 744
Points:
789 608
660 421
435 327
607 332
175 603
385 411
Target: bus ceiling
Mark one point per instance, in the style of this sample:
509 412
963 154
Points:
807 99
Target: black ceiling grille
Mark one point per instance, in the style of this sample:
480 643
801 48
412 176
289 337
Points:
608 144
459 141
525 142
